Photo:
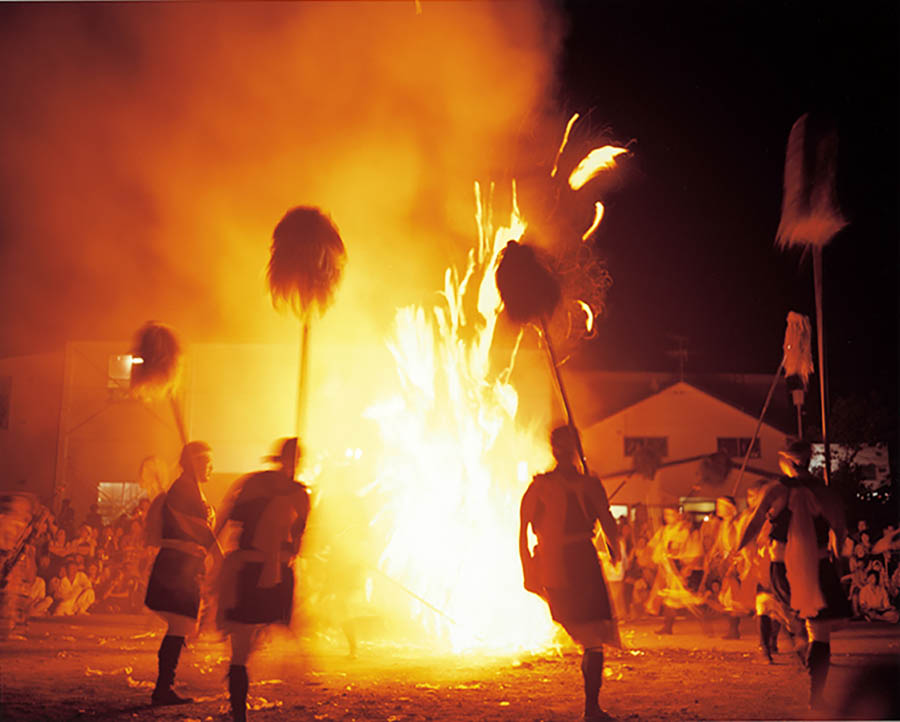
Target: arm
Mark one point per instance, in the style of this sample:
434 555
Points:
607 521
759 516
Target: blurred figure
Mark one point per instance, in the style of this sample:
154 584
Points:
93 518
562 506
874 603
180 522
678 554
773 614
74 593
802 512
256 586
730 569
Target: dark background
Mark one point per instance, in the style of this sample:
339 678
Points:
707 93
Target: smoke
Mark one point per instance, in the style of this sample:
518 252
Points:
148 150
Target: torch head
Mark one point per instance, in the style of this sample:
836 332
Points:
307 259
528 289
160 353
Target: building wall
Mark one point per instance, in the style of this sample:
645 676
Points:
106 434
691 421
32 386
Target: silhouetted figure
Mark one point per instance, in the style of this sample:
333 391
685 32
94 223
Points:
256 587
801 510
180 522
562 507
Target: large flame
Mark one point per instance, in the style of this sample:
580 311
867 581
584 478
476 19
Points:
455 464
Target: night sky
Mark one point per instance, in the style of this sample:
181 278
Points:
163 141
709 92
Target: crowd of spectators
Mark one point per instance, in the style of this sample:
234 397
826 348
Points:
871 569
67 568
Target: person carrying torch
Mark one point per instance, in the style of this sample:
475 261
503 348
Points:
180 523
256 586
562 507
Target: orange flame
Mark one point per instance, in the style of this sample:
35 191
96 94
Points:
593 163
455 465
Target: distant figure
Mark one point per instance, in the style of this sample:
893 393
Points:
93 517
773 614
678 553
256 586
73 593
874 602
801 511
562 507
736 594
180 522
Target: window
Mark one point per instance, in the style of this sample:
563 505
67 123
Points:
115 498
119 371
736 448
659 445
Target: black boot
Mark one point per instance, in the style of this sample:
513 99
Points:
818 662
734 628
592 672
773 639
238 684
765 636
169 652
668 621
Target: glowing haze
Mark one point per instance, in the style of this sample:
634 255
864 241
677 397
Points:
148 150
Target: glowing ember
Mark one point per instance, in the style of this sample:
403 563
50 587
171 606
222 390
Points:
455 465
597 160
598 216
562 145
589 323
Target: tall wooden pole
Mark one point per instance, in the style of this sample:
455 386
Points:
302 388
562 392
823 374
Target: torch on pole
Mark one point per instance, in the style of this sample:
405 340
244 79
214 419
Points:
305 266
810 218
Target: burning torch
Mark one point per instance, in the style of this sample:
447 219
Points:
306 263
811 216
156 368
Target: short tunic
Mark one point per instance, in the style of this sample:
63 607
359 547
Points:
562 508
836 604
257 581
177 573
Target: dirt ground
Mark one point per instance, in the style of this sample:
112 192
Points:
103 668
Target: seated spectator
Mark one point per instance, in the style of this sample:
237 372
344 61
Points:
855 581
894 587
37 601
114 596
73 594
83 543
874 603
59 545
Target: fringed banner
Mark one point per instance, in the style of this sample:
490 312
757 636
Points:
810 214
798 347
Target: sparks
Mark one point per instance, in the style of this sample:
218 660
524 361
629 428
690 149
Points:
589 324
597 160
562 145
598 216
